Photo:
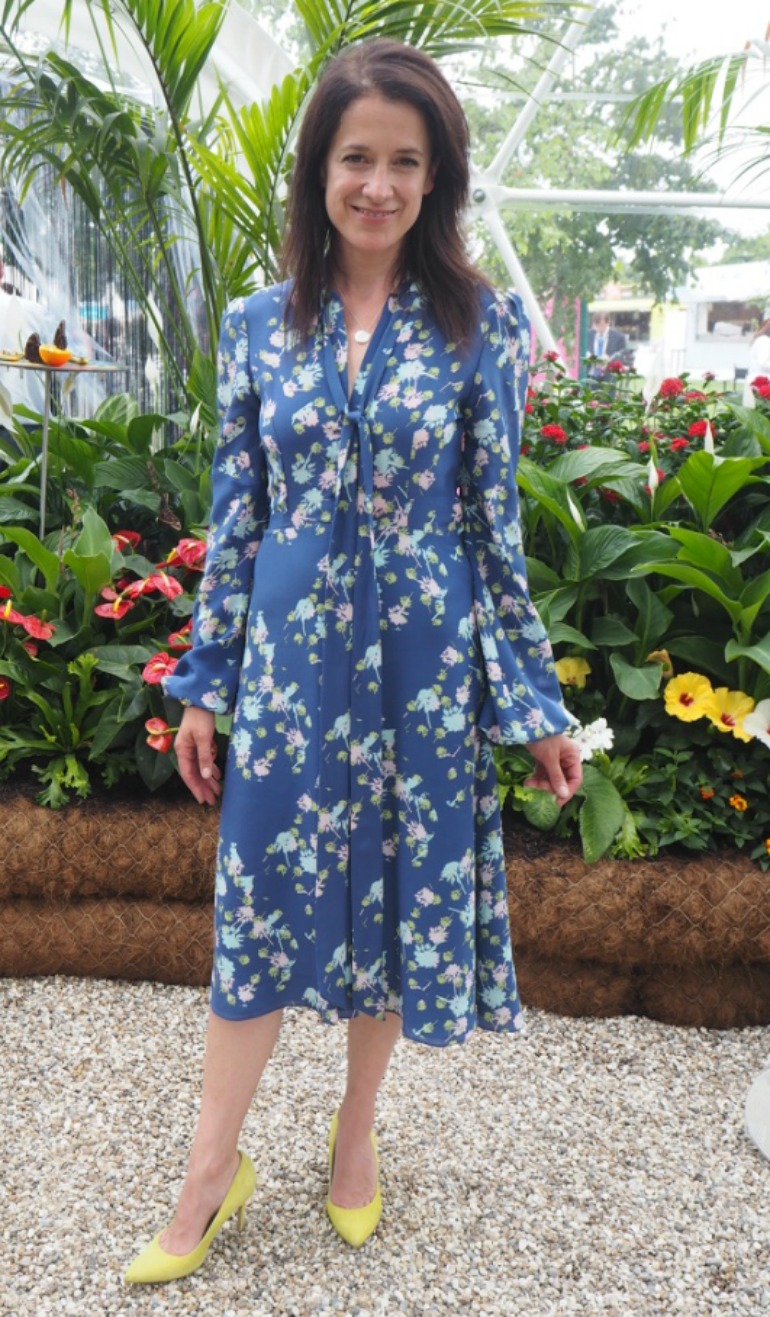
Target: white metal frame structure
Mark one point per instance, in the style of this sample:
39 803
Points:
490 195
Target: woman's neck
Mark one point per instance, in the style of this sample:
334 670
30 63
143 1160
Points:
364 280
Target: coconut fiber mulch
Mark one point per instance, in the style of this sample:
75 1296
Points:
683 938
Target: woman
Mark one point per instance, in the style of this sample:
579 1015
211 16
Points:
364 611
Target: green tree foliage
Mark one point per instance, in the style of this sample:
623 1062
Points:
574 143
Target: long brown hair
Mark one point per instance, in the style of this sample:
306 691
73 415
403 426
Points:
433 253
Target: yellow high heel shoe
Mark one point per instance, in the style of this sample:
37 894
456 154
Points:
353 1224
154 1265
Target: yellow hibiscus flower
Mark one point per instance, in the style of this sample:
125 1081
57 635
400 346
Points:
689 697
572 671
728 710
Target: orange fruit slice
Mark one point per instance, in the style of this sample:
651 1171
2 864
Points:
53 356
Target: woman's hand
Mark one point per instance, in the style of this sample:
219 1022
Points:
195 750
557 767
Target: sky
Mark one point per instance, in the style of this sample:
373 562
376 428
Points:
698 28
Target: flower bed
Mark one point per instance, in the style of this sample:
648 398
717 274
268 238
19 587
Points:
646 523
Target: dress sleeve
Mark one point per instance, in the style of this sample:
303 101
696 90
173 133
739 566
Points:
207 675
522 700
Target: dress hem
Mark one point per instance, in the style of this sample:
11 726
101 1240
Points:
410 1035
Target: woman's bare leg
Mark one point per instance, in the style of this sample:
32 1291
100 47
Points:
370 1045
237 1052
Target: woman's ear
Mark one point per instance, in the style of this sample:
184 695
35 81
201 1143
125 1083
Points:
430 180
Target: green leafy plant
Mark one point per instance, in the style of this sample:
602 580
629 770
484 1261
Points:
647 534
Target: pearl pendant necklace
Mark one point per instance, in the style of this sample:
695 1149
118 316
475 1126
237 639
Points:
362 336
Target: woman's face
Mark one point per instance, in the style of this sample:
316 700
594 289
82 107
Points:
375 176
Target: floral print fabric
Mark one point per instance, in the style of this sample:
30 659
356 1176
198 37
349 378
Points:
364 613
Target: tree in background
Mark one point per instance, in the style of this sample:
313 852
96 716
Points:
575 143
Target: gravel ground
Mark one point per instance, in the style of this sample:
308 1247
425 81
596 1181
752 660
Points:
590 1167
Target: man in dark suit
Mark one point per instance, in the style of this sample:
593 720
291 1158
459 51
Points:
604 341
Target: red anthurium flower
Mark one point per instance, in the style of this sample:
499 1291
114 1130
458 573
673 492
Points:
5 593
181 639
39 630
165 584
5 688
134 589
117 607
188 553
161 736
8 614
30 647
126 539
159 666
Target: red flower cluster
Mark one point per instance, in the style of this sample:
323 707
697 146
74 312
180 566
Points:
555 433
671 388
120 602
698 429
679 443
615 367
761 386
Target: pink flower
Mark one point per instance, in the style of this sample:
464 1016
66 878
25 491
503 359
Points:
644 446
164 584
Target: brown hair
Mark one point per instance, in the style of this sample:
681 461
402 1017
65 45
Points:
433 254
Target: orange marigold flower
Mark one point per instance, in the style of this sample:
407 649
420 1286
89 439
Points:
739 802
767 845
707 792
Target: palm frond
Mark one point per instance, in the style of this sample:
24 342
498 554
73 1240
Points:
707 89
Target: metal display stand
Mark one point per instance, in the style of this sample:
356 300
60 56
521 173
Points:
93 368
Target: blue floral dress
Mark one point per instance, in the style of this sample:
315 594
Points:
364 614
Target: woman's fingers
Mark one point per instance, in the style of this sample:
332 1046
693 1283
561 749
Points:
196 755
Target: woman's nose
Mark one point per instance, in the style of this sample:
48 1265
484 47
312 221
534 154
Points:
378 183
